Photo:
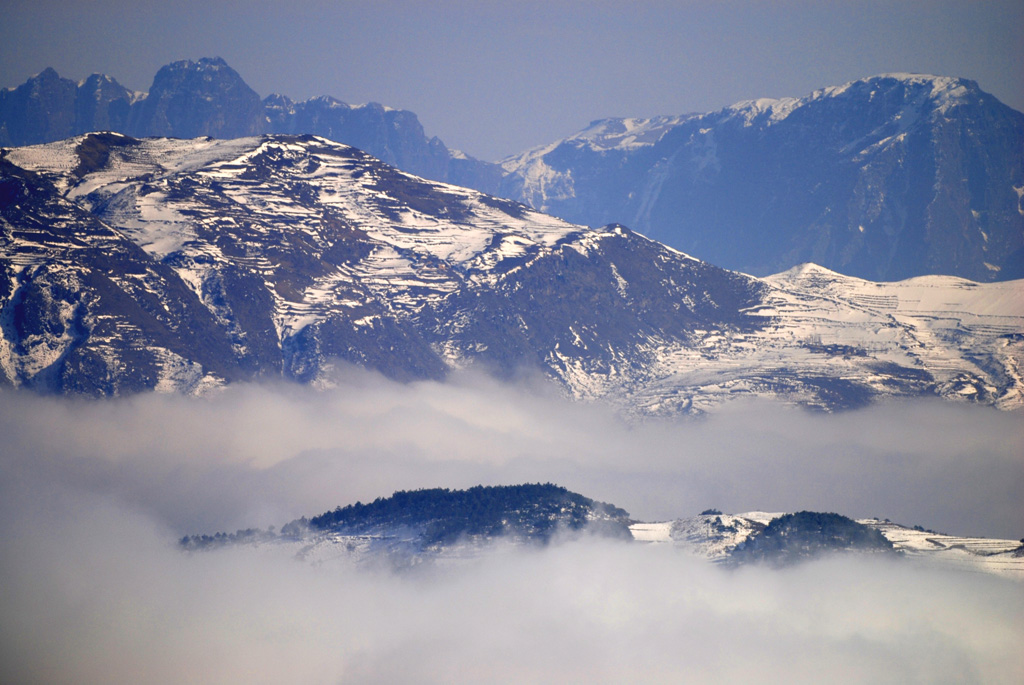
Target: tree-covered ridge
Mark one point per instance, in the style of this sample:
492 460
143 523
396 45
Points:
794 537
532 511
438 516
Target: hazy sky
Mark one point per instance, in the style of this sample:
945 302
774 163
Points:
494 78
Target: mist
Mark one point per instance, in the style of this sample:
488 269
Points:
94 496
261 455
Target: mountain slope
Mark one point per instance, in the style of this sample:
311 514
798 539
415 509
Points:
296 251
85 310
884 178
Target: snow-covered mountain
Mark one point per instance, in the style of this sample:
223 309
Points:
885 178
206 97
184 264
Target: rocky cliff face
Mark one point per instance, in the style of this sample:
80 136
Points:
884 178
102 104
183 264
203 98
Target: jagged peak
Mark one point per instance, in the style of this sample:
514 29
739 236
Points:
47 73
942 92
278 100
329 101
203 63
96 77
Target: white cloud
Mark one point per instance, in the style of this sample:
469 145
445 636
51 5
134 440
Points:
102 596
260 455
94 494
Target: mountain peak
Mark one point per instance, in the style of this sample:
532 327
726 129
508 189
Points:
920 94
202 64
903 89
203 98
47 74
924 79
200 77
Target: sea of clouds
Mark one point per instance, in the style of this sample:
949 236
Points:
94 496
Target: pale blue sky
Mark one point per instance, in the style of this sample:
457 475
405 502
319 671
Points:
494 78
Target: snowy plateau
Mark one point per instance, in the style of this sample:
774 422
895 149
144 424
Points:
182 265
714 536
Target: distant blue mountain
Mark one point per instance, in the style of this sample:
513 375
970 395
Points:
884 178
207 97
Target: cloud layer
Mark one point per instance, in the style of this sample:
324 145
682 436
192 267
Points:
94 494
261 455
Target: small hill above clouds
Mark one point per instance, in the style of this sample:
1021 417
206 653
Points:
412 527
804 535
429 523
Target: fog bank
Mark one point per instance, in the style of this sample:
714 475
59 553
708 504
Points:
93 593
262 455
95 494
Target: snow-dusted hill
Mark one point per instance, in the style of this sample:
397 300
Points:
275 256
861 340
714 536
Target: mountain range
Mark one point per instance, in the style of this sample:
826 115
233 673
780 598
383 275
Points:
883 178
169 264
206 97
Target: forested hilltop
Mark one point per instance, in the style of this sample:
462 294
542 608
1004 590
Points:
439 516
